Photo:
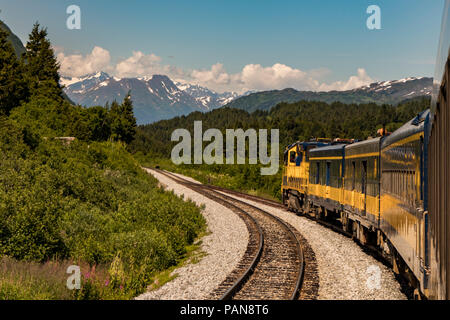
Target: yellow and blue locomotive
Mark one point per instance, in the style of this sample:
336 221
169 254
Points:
296 171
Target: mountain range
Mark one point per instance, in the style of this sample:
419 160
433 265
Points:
154 98
389 92
158 97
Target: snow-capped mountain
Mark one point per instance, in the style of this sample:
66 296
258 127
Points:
206 96
403 88
390 92
155 98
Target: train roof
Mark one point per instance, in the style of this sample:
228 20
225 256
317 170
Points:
364 143
305 144
336 150
410 128
367 147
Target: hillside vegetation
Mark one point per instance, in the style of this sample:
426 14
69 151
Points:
82 202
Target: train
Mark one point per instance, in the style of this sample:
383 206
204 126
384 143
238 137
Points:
392 192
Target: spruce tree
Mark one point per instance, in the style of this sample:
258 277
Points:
129 119
41 64
122 120
13 88
115 121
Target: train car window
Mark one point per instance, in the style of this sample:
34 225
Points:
444 91
292 156
328 173
285 158
364 177
398 185
323 174
390 183
375 166
299 159
396 179
403 185
317 172
407 189
353 175
374 178
309 148
422 166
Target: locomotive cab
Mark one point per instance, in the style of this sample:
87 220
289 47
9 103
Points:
296 174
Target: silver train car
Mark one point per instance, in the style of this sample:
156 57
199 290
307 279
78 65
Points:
438 198
403 211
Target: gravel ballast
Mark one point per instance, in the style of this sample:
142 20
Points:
224 247
346 272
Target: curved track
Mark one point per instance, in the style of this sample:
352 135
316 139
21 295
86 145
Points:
265 201
273 265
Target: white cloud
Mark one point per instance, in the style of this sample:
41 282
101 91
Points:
251 77
215 78
361 79
77 65
137 65
278 76
141 65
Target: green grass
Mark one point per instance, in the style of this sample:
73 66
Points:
29 280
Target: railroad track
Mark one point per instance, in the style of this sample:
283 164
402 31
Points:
273 266
278 205
370 250
268 202
309 254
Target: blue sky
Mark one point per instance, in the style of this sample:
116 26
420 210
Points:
235 45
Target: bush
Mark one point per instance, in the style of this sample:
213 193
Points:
89 202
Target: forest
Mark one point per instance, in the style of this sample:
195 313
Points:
299 121
71 193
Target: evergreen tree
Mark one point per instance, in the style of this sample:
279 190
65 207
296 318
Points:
115 121
13 88
122 120
128 118
41 64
